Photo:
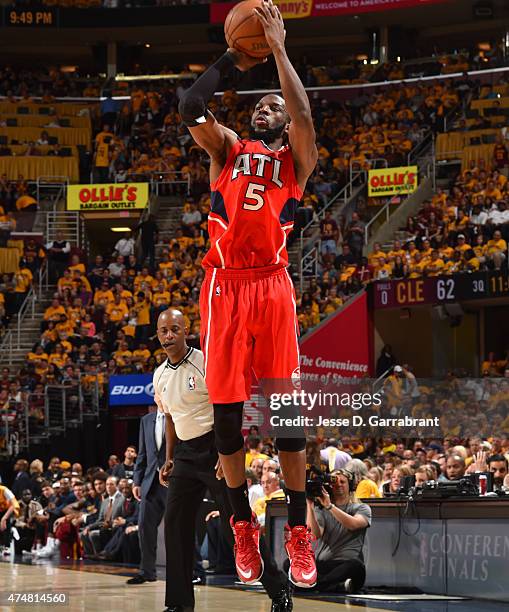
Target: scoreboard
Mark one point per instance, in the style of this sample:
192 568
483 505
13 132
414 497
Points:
440 289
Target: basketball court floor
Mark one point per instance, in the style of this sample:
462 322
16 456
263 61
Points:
91 587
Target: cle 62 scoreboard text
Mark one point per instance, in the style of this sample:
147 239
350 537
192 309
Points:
435 290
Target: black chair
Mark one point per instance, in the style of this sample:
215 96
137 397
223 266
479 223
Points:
44 110
52 140
11 122
23 110
65 122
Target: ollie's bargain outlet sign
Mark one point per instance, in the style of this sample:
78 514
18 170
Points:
115 196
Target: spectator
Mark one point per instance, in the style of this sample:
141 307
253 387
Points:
36 476
329 235
365 487
149 233
96 535
355 235
257 467
117 267
22 480
125 246
422 475
254 447
58 256
103 153
269 465
191 219
112 462
398 473
53 472
386 361
128 517
498 466
272 490
254 487
25 522
333 456
126 469
455 467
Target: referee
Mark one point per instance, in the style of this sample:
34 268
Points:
190 468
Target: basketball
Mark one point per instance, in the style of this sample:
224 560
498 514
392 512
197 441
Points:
244 31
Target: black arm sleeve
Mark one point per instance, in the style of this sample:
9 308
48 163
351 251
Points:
193 104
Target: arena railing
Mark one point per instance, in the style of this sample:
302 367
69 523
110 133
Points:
390 207
309 264
12 339
361 86
157 180
309 247
68 405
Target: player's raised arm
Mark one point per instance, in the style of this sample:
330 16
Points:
301 132
216 139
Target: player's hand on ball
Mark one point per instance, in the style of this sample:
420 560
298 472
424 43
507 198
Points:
165 472
243 61
273 24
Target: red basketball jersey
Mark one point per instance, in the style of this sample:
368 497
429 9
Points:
253 204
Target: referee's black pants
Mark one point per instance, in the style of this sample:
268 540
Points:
193 473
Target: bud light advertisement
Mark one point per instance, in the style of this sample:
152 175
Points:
131 390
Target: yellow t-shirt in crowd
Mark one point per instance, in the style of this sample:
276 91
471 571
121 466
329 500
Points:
142 313
250 456
366 489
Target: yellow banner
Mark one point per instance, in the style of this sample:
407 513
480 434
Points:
114 196
392 181
294 9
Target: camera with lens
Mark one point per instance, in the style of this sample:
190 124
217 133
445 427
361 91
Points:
316 481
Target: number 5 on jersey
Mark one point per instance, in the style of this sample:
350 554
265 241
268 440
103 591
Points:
254 193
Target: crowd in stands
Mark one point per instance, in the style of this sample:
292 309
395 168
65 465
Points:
67 511
101 320
463 230
46 84
150 139
71 512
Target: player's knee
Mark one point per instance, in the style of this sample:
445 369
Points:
291 445
228 427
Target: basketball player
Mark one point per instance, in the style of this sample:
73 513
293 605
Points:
247 300
190 466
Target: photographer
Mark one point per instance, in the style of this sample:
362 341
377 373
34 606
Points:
340 526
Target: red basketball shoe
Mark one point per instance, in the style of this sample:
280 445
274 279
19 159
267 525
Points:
248 560
302 571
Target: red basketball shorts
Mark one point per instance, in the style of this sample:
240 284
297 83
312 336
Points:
248 324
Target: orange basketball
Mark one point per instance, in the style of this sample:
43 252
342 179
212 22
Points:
244 31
